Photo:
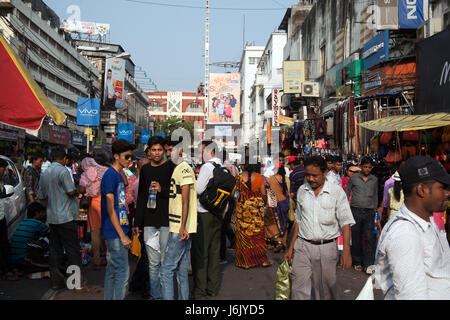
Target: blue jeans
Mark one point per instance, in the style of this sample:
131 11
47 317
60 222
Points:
176 259
117 270
155 258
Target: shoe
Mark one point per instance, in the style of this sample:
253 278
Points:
267 264
223 261
370 270
357 268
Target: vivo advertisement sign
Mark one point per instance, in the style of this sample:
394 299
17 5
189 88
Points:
376 50
88 112
410 13
145 135
125 131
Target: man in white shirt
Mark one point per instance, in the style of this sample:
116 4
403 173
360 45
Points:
205 250
333 175
413 257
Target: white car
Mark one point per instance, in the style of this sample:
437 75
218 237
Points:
14 201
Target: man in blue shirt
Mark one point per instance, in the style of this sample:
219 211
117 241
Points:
115 224
58 192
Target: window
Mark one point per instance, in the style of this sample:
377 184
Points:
194 107
11 176
323 64
155 107
252 60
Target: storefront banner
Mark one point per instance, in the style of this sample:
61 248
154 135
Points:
223 131
275 107
113 94
224 98
145 135
293 76
286 120
160 134
433 72
410 13
88 112
376 50
125 131
387 14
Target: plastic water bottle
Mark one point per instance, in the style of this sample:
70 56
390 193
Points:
151 202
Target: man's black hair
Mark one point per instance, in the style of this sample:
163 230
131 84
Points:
329 158
154 140
408 189
316 161
338 159
213 145
109 70
366 160
58 153
172 143
120 146
3 163
33 209
36 156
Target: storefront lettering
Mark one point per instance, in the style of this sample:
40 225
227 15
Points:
445 75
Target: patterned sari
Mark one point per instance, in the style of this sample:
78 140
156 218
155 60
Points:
249 228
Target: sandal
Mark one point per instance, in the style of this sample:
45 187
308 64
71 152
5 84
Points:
267 264
357 268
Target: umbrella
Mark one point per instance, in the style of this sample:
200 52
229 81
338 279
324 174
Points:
23 104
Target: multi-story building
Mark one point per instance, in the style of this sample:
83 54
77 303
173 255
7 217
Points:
33 31
247 69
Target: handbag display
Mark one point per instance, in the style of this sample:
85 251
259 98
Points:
412 135
408 151
393 156
385 138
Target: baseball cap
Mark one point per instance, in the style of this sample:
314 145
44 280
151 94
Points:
421 168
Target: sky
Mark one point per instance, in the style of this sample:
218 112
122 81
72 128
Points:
168 41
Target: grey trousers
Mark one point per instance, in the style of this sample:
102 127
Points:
314 267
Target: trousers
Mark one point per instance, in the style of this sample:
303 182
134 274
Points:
364 241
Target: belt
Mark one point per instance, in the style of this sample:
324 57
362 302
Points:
319 242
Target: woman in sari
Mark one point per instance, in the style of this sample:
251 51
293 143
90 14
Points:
276 220
90 181
249 228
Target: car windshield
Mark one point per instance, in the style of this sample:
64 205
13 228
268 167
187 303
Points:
11 176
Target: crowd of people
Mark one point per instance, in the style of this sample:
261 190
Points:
303 207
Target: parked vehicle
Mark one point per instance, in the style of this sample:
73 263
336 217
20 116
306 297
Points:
13 201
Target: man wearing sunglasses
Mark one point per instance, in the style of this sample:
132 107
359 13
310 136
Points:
115 225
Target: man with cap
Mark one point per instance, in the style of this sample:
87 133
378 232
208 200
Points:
413 257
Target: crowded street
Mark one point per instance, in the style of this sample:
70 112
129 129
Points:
285 150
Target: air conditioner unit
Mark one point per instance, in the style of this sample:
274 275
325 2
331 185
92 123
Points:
310 89
446 20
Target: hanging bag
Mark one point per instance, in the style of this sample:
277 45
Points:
283 282
385 138
412 135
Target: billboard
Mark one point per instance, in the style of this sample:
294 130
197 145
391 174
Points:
410 13
223 131
125 131
145 135
113 93
88 112
293 76
93 28
224 98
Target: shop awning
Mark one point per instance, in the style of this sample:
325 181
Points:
23 104
408 122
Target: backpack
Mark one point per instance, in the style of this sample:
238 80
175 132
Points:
218 191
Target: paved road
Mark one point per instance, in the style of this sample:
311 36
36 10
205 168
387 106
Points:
237 284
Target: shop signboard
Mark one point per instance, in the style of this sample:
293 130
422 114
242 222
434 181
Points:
145 135
376 50
58 135
113 94
88 112
410 13
161 134
79 139
224 98
433 70
125 131
92 28
275 107
286 121
372 81
293 76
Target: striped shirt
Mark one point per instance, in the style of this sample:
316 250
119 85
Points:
297 177
28 230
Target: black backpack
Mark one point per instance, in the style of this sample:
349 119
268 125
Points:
218 191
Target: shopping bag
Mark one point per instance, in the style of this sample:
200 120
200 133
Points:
136 247
367 291
283 282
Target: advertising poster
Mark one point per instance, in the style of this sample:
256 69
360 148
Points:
93 28
224 98
125 131
223 131
145 135
113 94
293 76
410 13
88 112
